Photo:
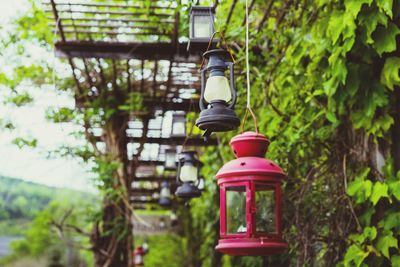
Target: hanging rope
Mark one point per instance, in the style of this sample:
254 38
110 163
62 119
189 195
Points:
248 105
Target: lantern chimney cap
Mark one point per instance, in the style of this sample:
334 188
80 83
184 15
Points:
249 144
220 52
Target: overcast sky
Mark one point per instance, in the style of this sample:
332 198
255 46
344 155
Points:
33 164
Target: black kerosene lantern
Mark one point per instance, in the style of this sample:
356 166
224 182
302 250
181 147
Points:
173 218
145 246
187 175
178 124
165 194
170 159
218 95
201 26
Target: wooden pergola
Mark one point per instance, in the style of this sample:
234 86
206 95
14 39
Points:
111 45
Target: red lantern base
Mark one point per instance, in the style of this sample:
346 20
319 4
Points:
251 246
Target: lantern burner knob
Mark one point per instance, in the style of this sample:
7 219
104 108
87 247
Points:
249 144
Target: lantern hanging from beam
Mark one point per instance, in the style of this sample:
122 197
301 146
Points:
173 218
201 184
218 95
250 200
165 194
170 159
187 175
145 247
178 128
161 223
138 256
201 26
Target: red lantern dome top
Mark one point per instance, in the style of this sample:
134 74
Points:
249 144
250 149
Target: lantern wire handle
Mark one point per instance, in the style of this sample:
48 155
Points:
225 44
248 106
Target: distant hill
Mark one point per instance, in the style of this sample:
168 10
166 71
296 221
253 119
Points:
22 200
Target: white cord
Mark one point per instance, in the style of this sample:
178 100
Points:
247 55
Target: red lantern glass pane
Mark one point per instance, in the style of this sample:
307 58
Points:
265 207
236 209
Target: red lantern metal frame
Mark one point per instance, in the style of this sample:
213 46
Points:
250 173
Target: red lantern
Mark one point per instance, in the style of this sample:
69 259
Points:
250 200
138 256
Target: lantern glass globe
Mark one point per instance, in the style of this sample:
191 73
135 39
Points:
188 173
236 209
138 259
217 88
170 160
165 192
265 206
202 28
178 128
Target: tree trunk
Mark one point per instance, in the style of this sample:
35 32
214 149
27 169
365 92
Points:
112 237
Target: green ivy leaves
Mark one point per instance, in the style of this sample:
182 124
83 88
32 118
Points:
379 191
379 239
354 7
385 38
356 255
390 72
394 187
341 23
362 189
386 6
385 242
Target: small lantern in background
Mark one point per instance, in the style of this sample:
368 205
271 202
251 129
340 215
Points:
170 159
145 246
161 223
250 200
173 218
165 194
187 175
138 256
178 128
202 183
201 26
218 95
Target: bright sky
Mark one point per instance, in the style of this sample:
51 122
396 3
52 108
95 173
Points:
33 164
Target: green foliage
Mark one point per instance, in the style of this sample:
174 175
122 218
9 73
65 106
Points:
20 99
20 200
377 240
23 142
30 210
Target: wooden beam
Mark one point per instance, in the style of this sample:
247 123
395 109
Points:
119 6
141 201
191 141
143 192
172 141
120 13
126 50
108 20
155 179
